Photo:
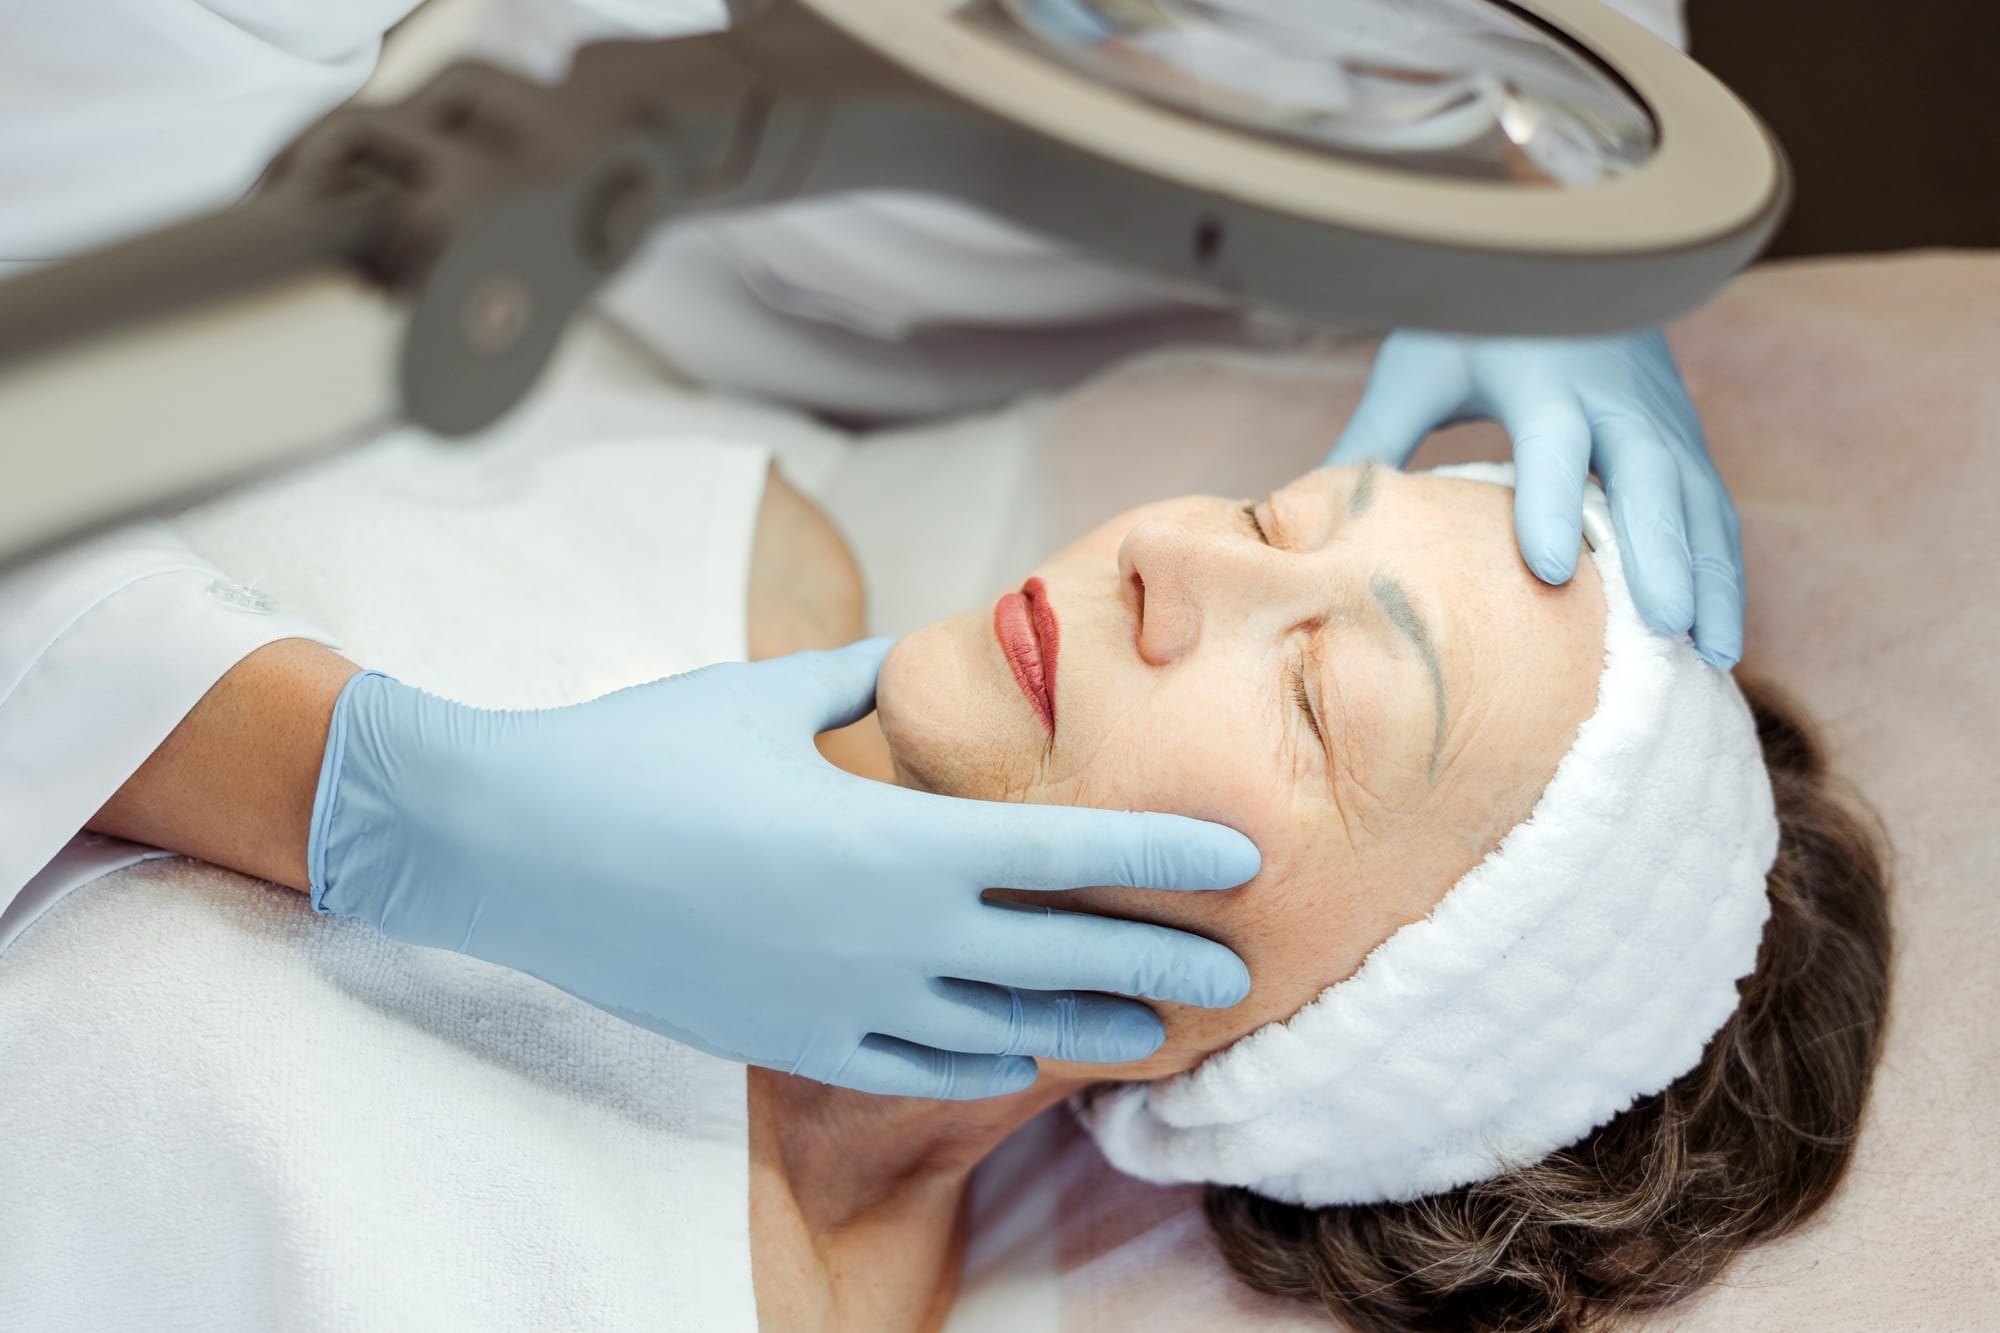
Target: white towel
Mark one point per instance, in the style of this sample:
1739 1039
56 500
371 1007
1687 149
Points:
220 1112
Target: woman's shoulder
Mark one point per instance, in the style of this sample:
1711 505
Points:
805 587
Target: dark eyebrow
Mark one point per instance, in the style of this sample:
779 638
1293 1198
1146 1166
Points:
1364 489
1395 603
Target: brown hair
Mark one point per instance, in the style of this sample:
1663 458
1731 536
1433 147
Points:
1655 1203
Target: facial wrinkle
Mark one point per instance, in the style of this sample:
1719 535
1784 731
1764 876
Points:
1395 604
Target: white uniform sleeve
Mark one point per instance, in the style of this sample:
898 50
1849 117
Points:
116 115
102 652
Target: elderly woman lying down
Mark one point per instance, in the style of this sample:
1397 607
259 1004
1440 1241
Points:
1569 965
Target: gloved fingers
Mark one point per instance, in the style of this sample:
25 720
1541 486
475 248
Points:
1643 483
1656 381
1049 848
831 688
1048 1025
1551 468
1411 390
1038 949
1715 554
891 1067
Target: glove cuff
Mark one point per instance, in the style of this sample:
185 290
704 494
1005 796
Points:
326 798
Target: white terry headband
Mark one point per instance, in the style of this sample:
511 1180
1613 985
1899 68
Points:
1582 965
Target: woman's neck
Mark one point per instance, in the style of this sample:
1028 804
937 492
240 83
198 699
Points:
857 1201
845 1150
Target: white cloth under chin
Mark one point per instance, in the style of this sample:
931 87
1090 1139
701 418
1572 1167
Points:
221 1112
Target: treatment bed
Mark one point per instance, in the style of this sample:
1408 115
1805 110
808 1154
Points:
1853 408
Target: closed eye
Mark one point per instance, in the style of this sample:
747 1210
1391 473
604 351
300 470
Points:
1304 701
1256 524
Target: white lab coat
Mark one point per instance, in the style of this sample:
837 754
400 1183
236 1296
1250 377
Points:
116 115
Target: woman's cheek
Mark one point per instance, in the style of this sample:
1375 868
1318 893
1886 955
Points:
1190 767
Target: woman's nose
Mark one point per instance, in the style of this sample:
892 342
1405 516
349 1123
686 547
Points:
1172 569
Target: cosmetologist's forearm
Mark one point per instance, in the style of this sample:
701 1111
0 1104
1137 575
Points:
233 784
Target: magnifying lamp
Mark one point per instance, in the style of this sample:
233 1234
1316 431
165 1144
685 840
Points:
1542 167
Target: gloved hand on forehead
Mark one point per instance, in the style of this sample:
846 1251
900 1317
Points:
680 855
1613 406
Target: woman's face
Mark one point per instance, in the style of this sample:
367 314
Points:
1358 672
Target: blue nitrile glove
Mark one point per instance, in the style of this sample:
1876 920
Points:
680 855
1615 406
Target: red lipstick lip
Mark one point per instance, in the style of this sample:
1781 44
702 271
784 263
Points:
1029 635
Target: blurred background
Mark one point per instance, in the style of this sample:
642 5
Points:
1888 112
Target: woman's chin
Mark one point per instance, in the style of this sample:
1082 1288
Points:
913 703
910 776
955 721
